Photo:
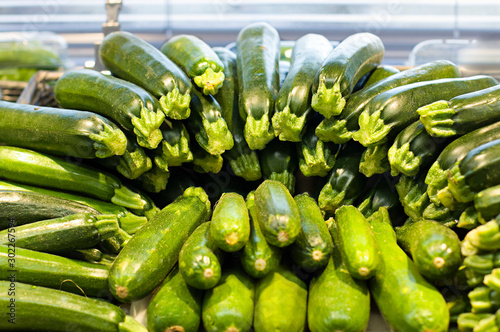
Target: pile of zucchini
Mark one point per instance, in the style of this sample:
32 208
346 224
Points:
231 190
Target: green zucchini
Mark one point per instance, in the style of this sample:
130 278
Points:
381 72
230 224
468 321
485 237
152 252
229 306
277 213
385 115
69 133
60 311
92 255
340 129
406 300
356 242
175 306
337 301
207 124
278 161
29 55
76 231
257 51
38 169
154 180
313 246
127 104
462 114
244 161
293 103
374 160
353 58
200 259
52 271
204 162
258 257
197 60
135 60
175 146
484 300
434 248
487 203
345 182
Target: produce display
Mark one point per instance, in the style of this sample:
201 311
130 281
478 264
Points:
238 190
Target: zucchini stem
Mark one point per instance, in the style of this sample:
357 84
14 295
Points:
403 160
372 129
258 132
131 325
155 180
330 199
374 160
285 177
458 187
129 199
146 128
317 162
215 137
107 225
328 102
109 142
333 130
437 118
247 166
176 105
288 126
130 222
210 81
133 164
179 153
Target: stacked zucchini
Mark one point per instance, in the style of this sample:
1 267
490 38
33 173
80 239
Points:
239 190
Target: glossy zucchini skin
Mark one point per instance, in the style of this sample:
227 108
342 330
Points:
257 51
278 161
152 252
175 306
127 104
70 133
381 72
135 60
353 58
198 61
292 107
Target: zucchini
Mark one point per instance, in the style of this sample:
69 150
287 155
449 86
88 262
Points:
277 213
154 180
230 224
200 259
462 114
356 242
257 57
197 60
208 126
487 203
69 133
127 104
175 144
345 182
60 311
385 115
204 162
175 306
229 306
92 255
135 60
258 257
337 301
293 103
313 246
278 161
468 321
38 169
434 248
340 129
244 161
76 231
374 160
406 300
47 270
381 72
152 252
353 58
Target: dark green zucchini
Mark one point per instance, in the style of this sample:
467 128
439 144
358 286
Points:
174 149
385 115
135 60
154 180
374 160
68 133
381 72
293 103
244 161
278 161
152 252
258 51
340 129
123 102
197 60
204 162
353 58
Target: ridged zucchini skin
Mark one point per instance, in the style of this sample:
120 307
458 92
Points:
198 61
293 103
52 271
353 58
340 129
279 296
152 252
127 104
406 300
257 51
135 60
175 306
229 306
381 72
69 133
313 246
434 248
277 213
278 161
